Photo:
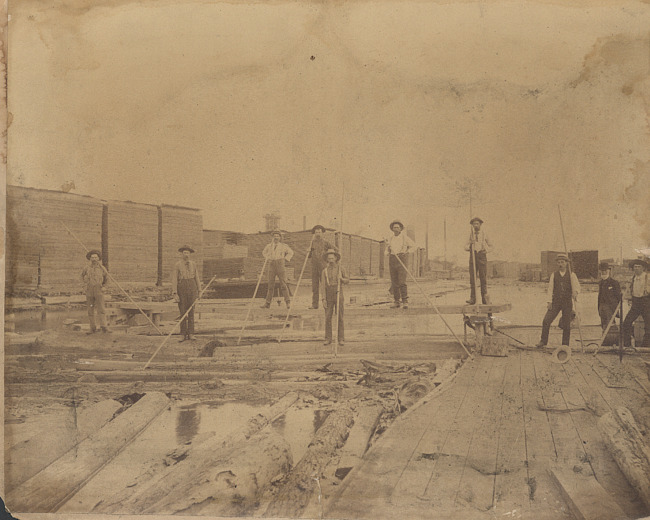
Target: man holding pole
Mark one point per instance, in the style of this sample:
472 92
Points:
479 246
563 290
639 295
186 286
94 277
399 246
319 246
609 295
332 279
276 253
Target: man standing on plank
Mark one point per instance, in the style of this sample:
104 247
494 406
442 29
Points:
479 246
276 253
332 293
609 295
94 277
563 290
640 296
318 248
398 248
186 286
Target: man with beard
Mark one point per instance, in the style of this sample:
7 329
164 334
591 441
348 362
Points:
186 286
319 246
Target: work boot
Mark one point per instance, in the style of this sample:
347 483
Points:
190 337
327 342
405 305
91 331
311 307
470 302
395 305
106 331
341 342
266 306
540 345
185 338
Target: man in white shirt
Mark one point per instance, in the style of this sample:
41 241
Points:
479 246
563 290
276 253
398 248
639 295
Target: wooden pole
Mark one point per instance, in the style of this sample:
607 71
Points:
575 301
179 322
304 264
250 305
113 280
338 281
434 307
611 321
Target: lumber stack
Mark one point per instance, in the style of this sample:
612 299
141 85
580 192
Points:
179 226
23 241
132 249
366 254
355 255
375 257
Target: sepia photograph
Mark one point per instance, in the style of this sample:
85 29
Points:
344 260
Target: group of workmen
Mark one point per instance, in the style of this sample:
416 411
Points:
328 278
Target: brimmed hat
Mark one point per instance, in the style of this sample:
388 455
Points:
317 226
604 266
93 252
331 252
277 232
562 256
475 219
640 262
185 248
396 222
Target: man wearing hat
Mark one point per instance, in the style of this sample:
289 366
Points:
94 277
398 248
609 294
563 290
186 286
331 295
639 294
318 248
276 253
479 246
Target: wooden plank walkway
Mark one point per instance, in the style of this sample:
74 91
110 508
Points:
484 446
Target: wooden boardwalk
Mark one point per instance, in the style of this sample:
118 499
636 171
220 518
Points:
484 445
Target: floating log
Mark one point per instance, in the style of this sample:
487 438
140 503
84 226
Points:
626 444
53 486
297 490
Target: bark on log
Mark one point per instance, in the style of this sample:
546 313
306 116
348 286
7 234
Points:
185 465
27 458
296 492
53 486
626 444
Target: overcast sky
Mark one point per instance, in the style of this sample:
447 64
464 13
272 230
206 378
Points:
372 111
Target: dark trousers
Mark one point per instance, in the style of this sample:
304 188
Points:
566 308
95 303
316 272
398 277
481 267
640 308
187 293
605 312
276 269
330 293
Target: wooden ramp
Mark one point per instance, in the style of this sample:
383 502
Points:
490 446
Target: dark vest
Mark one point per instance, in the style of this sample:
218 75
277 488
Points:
562 287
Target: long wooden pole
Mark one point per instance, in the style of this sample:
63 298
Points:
435 308
338 281
179 322
575 301
611 321
250 305
304 264
113 279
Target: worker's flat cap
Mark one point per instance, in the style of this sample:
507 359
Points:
562 256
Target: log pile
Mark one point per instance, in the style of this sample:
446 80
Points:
179 226
132 249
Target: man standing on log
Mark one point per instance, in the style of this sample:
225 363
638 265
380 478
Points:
478 246
186 286
319 246
94 277
399 246
332 293
609 295
639 294
563 290
276 253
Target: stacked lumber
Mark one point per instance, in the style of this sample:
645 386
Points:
61 257
344 249
355 255
365 254
132 249
375 257
179 226
23 241
299 243
223 268
223 244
